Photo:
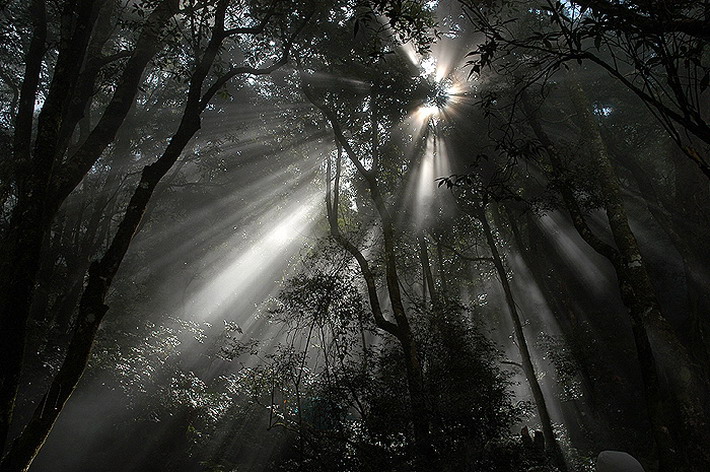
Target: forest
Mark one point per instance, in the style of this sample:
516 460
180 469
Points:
355 235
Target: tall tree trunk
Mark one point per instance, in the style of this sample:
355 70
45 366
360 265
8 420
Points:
92 307
654 335
44 180
552 446
556 282
651 331
696 285
29 222
647 363
400 329
426 269
405 336
442 272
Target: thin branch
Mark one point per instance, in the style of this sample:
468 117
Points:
234 71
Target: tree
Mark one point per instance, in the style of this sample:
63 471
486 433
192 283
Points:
401 328
656 52
337 387
637 292
43 173
474 195
36 204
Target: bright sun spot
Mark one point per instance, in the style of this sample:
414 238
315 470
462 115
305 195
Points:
281 235
428 67
441 98
427 111
434 68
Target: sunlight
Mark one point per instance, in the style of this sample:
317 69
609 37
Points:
249 267
428 67
588 266
422 185
425 112
438 103
425 182
425 121
411 53
439 69
288 239
290 229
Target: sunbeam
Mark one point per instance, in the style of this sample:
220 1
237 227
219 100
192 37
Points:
247 266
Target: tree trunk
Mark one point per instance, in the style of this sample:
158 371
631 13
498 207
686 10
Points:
654 335
697 287
426 269
92 306
552 446
401 329
38 202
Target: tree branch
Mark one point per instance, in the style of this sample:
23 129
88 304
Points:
116 111
234 71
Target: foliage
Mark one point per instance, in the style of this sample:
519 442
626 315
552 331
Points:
657 53
340 389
